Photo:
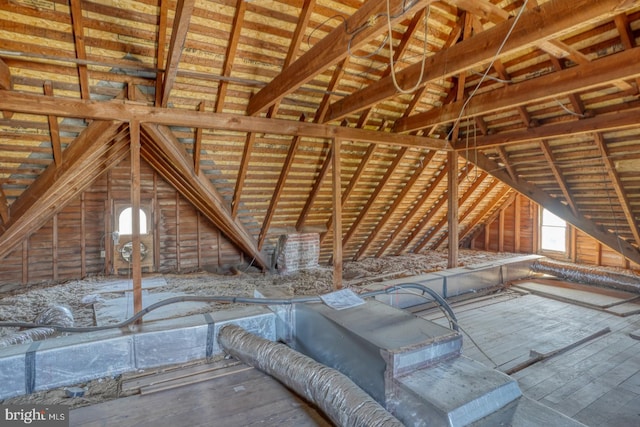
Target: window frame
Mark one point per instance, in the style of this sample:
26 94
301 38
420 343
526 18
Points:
542 227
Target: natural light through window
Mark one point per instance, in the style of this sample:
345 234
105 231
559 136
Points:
553 232
125 222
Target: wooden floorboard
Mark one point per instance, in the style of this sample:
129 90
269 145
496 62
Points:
245 398
598 382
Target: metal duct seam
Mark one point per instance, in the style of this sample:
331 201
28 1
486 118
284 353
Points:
335 394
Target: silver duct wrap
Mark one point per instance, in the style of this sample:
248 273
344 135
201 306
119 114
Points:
335 394
52 315
598 276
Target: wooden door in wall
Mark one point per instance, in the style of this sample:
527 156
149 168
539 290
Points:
123 237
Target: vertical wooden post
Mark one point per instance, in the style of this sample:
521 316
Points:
178 230
501 231
25 261
54 246
517 224
156 224
198 238
487 236
536 228
83 240
337 215
452 202
574 243
134 130
598 253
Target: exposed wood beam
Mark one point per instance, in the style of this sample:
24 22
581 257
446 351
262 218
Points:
357 30
171 160
277 192
624 29
483 9
549 20
315 189
5 76
560 83
4 208
249 141
557 174
603 122
618 186
417 173
504 157
336 76
114 110
414 210
424 222
78 36
372 198
136 267
336 187
160 47
556 207
452 209
480 216
230 55
54 129
87 157
184 9
197 144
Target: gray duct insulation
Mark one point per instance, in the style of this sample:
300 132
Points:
598 276
52 315
335 394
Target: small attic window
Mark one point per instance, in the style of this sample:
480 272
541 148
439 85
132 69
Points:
125 222
553 233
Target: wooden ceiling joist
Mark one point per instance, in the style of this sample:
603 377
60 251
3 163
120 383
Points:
602 72
556 207
66 107
172 161
357 30
181 20
542 23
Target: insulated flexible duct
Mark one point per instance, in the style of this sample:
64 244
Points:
335 394
597 276
55 315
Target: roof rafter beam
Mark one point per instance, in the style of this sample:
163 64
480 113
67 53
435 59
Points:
562 183
54 129
593 74
488 209
161 44
5 76
78 35
482 9
172 161
4 208
556 207
315 189
184 9
614 177
542 23
230 56
117 110
356 32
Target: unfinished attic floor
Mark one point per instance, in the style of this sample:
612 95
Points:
596 382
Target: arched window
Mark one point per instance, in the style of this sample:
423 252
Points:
125 222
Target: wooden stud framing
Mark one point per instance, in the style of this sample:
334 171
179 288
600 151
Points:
452 205
337 214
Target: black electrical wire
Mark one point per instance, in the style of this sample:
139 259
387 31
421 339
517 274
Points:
227 299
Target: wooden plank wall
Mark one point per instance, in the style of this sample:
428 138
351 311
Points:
518 232
69 245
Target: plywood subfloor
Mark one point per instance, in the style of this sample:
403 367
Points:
246 398
597 383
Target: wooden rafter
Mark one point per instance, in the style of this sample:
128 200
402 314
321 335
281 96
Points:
54 129
483 9
184 9
230 55
78 35
618 186
87 157
315 189
557 174
336 187
504 158
542 23
417 173
492 205
453 209
556 207
593 74
277 192
67 107
414 210
160 48
332 49
249 141
424 221
4 208
5 76
165 154
372 198
136 268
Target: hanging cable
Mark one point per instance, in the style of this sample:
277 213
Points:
486 73
568 110
424 51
